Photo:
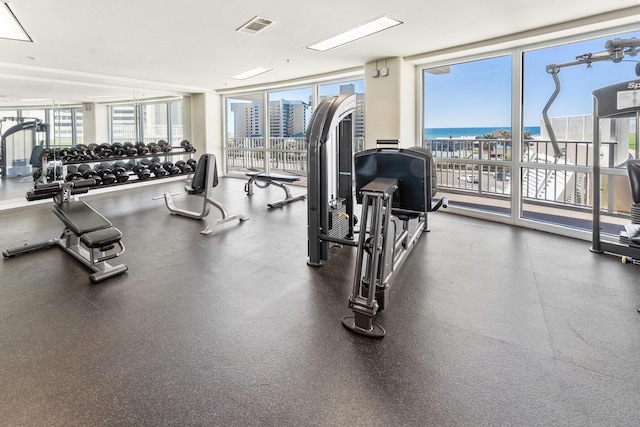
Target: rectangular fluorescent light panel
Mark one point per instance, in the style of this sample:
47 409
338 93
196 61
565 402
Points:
251 73
10 27
363 30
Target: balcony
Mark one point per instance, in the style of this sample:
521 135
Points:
553 190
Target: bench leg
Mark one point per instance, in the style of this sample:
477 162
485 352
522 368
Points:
101 269
225 217
21 250
288 199
248 186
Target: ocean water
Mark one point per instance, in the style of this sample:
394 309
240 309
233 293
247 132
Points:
471 132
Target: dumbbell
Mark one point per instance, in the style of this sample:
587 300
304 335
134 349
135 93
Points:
118 149
186 146
83 168
153 148
104 151
183 166
192 163
164 146
142 149
129 149
121 174
130 164
91 174
144 173
157 169
171 168
107 176
73 176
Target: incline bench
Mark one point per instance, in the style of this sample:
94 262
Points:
263 180
87 236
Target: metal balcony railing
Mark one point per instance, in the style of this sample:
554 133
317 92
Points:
284 154
483 167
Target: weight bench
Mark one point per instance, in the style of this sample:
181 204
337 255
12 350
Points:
205 178
87 236
263 180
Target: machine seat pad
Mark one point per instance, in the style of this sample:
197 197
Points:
101 238
262 176
80 217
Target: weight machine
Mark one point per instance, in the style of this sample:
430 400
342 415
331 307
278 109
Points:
621 100
22 145
395 188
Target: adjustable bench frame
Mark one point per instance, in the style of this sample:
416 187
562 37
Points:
205 177
88 236
263 180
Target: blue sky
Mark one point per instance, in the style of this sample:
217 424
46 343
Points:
478 93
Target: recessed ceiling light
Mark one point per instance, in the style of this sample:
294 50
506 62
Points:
363 30
10 27
251 73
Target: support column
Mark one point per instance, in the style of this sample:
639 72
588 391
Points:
206 125
95 123
390 102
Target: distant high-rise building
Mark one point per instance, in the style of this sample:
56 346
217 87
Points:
247 119
288 118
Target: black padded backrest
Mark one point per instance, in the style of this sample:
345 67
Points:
199 181
633 169
36 156
411 167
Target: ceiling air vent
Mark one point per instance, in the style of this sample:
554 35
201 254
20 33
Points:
255 25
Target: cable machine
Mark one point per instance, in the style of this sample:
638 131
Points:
616 101
21 145
621 100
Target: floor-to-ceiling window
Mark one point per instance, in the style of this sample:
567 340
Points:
289 114
245 129
467 126
545 168
285 121
557 167
146 122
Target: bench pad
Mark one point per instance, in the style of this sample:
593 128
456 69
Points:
273 176
80 217
101 238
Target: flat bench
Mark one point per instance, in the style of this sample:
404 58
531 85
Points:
263 180
87 236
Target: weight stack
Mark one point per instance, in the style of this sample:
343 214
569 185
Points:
635 213
338 220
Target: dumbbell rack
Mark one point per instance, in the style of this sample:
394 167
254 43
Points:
175 151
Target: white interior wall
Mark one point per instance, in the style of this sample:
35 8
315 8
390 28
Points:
390 102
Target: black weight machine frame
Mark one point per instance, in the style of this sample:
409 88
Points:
331 219
606 104
37 126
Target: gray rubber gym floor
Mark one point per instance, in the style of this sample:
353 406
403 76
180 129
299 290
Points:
486 324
